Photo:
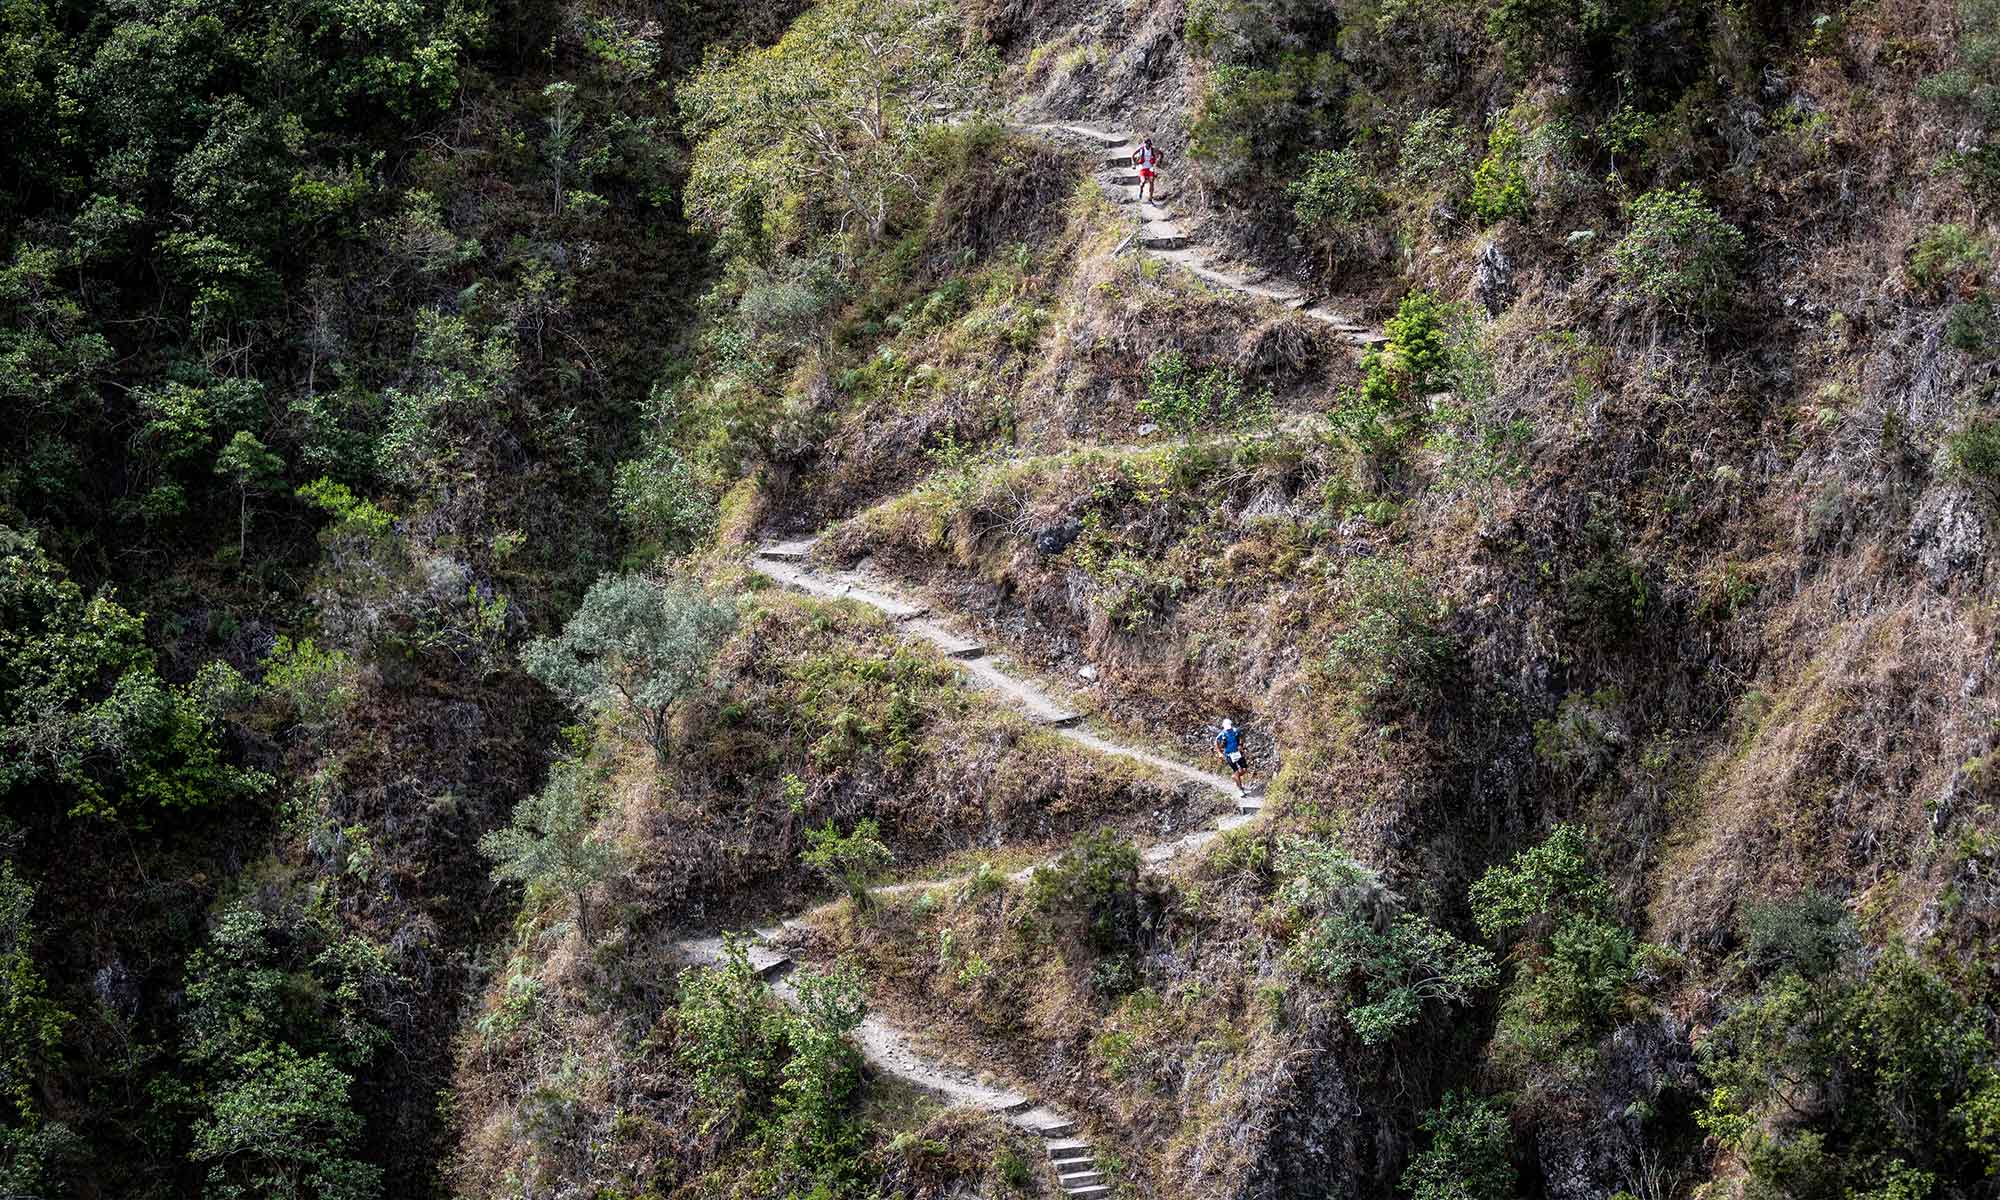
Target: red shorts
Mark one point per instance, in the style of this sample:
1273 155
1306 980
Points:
1145 173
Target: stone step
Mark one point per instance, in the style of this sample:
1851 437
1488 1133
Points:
1056 1129
1061 720
1081 1179
1164 241
1249 806
786 551
1095 1189
1125 179
1068 1148
964 650
1068 1171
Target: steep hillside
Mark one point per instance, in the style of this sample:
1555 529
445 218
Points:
622 602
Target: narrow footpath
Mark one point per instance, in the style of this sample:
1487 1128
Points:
883 1047
1163 237
788 564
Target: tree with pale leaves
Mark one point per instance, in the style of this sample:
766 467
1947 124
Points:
830 112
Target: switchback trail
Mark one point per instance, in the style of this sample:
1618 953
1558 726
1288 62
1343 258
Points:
882 1046
789 564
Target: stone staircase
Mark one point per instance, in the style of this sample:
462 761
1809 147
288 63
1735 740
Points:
788 564
1160 235
1072 1159
886 1050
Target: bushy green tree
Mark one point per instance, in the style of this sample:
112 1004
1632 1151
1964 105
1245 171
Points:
826 118
1877 1081
731 1035
1468 1157
1573 961
283 1125
634 647
1352 932
1679 253
785 1076
280 1015
81 705
662 501
553 840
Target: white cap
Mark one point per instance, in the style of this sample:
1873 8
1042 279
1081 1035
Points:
1226 724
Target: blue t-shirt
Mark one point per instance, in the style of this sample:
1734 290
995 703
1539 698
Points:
1229 740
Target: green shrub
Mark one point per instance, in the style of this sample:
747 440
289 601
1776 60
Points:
785 1076
1549 881
1574 962
1606 594
1185 401
1856 1084
1971 84
275 1028
552 839
1333 189
1973 327
1944 253
31 1024
773 121
1352 935
1500 183
849 860
1679 253
1391 647
1810 933
1973 454
1434 153
1094 885
1973 81
86 720
662 501
318 684
1251 31
1417 342
1583 738
730 1034
1012 1170
1468 1157
1390 407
